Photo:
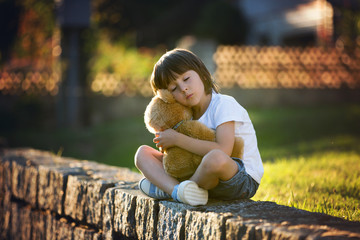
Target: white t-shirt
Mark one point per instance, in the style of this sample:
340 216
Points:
225 108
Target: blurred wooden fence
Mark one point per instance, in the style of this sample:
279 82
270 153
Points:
31 82
277 67
246 67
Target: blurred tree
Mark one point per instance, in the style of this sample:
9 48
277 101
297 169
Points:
163 22
171 23
149 23
9 21
223 22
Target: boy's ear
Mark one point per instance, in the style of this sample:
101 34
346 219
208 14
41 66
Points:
165 95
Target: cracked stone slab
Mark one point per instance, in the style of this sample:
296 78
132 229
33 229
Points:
109 173
171 220
135 215
75 197
124 213
27 223
82 232
94 201
24 182
204 225
20 221
86 194
250 219
38 220
146 215
108 213
2 179
52 186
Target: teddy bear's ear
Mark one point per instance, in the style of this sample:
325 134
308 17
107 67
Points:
165 95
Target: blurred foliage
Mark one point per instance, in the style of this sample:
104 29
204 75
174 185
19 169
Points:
119 19
347 28
127 37
118 67
32 47
122 60
152 23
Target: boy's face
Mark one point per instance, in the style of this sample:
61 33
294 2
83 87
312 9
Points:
188 89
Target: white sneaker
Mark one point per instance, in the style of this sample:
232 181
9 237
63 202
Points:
190 193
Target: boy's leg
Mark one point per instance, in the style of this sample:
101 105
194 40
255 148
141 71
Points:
215 166
149 161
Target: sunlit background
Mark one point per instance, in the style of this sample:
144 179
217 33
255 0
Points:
59 51
74 80
69 64
75 65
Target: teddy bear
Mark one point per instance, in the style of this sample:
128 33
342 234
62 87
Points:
164 112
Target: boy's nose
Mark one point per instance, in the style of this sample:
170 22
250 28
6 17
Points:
183 87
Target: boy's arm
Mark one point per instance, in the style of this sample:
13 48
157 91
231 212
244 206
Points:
224 140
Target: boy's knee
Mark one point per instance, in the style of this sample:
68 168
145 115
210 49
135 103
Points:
215 161
141 151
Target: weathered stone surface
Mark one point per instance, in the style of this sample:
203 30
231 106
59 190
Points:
75 197
24 182
2 179
124 213
52 186
27 223
62 229
5 200
109 173
146 215
83 232
5 218
20 221
204 225
38 220
94 202
253 219
236 229
49 228
136 215
171 220
7 175
108 213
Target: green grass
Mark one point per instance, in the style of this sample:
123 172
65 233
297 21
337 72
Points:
311 154
327 182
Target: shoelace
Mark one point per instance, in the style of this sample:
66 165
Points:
157 191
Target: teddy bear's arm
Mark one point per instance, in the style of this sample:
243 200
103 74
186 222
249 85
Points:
196 129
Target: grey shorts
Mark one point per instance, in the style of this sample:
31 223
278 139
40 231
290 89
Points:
240 186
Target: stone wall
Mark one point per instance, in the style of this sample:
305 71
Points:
43 196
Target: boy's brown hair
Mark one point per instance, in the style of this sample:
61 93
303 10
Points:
176 62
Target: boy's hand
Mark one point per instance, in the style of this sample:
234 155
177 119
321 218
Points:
165 139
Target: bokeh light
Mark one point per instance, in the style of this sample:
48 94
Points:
276 67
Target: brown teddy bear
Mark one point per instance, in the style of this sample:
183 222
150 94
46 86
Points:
163 112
